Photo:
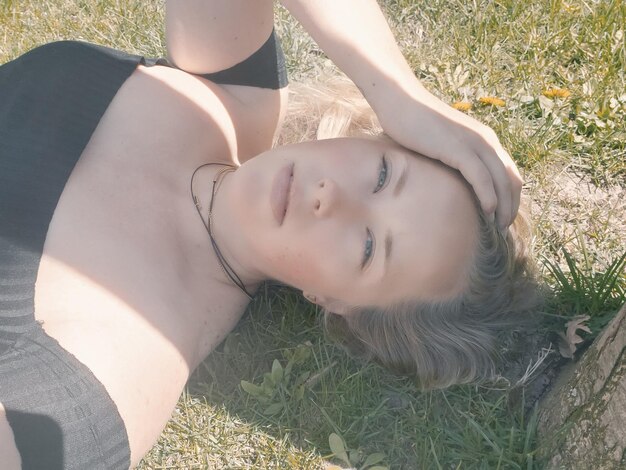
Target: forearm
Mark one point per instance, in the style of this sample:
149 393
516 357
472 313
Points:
356 37
205 36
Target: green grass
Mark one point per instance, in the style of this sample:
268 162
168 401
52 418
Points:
573 154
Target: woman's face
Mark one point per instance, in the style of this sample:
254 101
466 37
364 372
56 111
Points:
367 222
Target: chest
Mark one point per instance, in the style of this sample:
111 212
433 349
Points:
118 250
118 286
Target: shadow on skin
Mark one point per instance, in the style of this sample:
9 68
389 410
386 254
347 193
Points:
38 439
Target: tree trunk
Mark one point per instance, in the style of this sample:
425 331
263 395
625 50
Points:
582 419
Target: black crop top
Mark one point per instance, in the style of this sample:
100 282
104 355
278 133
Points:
51 101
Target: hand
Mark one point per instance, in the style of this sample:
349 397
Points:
430 127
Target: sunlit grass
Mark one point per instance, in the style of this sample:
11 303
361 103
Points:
552 75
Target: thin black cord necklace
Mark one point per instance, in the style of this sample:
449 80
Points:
228 270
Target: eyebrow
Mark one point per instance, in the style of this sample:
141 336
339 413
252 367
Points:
396 191
388 246
402 180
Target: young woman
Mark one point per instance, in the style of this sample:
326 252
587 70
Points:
130 246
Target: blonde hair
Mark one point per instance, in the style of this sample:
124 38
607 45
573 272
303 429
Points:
438 343
454 341
331 107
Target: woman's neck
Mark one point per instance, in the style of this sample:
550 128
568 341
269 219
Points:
227 234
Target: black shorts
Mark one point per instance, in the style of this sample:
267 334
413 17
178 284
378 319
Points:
60 414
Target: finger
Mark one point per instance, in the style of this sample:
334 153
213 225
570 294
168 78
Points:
502 185
516 191
505 205
479 177
515 180
501 181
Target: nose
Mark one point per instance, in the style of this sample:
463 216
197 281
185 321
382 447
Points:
329 199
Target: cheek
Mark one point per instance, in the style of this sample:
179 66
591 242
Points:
291 262
297 266
306 260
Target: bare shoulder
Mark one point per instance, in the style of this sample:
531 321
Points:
251 116
265 110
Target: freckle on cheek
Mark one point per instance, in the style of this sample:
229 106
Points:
296 266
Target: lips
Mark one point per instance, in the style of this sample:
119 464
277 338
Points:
279 195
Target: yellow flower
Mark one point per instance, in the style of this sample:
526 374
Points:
491 100
462 105
556 93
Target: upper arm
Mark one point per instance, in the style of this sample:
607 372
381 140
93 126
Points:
206 36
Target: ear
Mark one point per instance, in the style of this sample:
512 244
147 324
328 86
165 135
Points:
332 305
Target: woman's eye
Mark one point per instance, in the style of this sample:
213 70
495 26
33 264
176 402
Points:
382 176
369 248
